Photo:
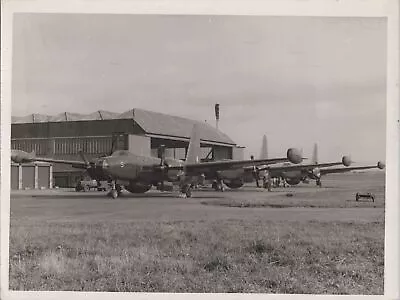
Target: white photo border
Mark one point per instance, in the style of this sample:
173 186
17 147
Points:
328 8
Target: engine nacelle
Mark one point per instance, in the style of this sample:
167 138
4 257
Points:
346 161
294 155
381 165
293 181
138 188
234 184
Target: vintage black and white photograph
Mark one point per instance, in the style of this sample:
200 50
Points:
198 153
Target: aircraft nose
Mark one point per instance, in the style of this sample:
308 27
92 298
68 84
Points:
14 155
19 156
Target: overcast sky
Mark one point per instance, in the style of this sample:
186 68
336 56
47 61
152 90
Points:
299 80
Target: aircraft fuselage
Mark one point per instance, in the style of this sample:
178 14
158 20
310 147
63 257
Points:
140 169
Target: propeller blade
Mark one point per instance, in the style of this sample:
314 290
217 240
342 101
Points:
256 175
161 154
83 157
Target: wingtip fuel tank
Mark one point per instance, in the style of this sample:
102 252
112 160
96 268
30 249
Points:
381 165
294 155
346 161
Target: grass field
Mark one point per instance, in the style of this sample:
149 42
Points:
329 196
224 256
319 241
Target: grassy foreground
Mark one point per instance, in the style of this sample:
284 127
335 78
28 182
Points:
224 256
294 198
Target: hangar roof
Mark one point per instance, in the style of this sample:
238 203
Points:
151 122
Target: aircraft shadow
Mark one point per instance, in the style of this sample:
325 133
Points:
90 195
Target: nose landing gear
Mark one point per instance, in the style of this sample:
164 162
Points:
186 191
115 191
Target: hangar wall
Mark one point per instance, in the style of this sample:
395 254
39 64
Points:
222 153
139 131
139 145
238 153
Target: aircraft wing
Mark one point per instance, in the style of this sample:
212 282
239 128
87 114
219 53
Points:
19 156
347 169
309 167
346 161
227 164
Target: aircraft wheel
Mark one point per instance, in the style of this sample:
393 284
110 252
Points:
114 194
264 183
214 185
119 189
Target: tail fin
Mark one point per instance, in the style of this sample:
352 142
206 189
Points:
264 148
193 154
314 159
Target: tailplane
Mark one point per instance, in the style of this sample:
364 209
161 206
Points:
314 159
264 148
193 154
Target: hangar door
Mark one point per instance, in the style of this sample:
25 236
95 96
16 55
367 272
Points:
28 177
43 177
14 177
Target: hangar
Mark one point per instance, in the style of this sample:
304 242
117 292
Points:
139 131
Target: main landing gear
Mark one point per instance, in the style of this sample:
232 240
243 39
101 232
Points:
186 191
218 186
267 183
319 183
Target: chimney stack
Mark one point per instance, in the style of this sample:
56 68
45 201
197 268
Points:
216 115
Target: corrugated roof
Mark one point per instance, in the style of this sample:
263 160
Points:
151 122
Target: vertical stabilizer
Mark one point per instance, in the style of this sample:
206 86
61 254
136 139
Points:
264 148
193 153
314 159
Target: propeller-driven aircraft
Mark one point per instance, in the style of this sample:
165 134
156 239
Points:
293 174
313 171
138 174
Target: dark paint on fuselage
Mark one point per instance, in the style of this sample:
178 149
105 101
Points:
130 167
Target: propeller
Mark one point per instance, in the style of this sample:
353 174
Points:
161 155
316 172
255 172
84 158
163 167
114 140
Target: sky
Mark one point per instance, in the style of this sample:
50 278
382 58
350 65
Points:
298 80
